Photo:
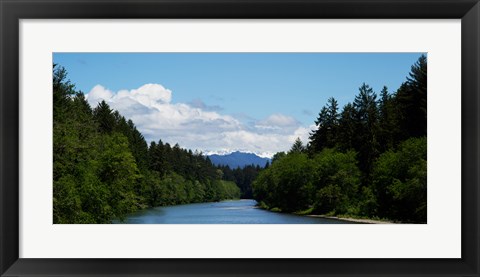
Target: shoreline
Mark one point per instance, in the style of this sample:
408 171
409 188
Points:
356 220
348 219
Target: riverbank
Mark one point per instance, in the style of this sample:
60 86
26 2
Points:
307 213
355 220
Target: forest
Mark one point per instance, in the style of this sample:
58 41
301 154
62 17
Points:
104 169
367 160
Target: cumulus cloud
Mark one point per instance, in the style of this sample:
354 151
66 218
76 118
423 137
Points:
97 94
196 125
197 103
148 95
278 123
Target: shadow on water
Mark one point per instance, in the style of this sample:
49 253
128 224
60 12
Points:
242 211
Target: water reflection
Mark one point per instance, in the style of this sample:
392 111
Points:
226 212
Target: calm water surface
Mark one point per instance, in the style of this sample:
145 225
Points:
225 212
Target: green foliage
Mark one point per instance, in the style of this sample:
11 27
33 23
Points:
400 181
346 129
278 156
103 168
227 190
66 201
337 179
368 203
411 100
119 172
369 160
366 128
327 122
105 118
243 177
286 184
297 146
325 183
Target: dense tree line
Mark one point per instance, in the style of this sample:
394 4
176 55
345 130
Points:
104 169
243 177
368 159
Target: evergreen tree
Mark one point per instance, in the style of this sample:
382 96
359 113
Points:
366 111
105 118
332 122
347 135
388 125
297 147
278 156
327 127
63 90
411 98
103 168
400 181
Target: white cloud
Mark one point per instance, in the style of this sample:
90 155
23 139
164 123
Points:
279 120
97 94
278 123
303 133
197 125
197 103
149 94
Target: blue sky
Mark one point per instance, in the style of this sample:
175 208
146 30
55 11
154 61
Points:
268 95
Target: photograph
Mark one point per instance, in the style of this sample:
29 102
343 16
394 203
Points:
239 138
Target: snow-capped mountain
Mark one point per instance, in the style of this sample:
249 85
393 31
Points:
238 159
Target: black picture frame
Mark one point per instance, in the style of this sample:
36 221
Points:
12 11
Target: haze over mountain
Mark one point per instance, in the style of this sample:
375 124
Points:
238 159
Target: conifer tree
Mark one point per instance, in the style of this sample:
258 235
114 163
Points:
411 98
297 146
105 118
327 127
366 111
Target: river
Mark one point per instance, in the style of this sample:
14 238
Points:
241 211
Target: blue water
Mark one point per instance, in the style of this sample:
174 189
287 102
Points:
226 212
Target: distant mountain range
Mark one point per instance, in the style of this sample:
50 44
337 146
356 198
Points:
238 159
